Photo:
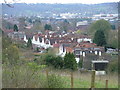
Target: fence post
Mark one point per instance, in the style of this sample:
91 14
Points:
106 84
71 79
93 79
47 74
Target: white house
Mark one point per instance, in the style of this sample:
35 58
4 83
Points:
38 43
84 39
62 50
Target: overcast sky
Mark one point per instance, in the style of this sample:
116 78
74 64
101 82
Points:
61 1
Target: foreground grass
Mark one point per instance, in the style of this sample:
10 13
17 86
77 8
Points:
26 77
83 80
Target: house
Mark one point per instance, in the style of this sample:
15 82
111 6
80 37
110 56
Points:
82 25
84 38
16 35
84 48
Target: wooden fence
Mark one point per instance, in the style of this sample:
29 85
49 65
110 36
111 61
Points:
92 80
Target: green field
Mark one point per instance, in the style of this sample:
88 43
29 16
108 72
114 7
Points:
26 77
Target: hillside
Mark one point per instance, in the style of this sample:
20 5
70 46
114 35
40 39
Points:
37 9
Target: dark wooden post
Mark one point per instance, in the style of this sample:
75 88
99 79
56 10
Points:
93 79
106 84
71 79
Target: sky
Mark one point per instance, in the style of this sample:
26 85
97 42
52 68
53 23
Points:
60 1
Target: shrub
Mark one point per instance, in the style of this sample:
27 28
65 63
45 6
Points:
113 66
55 81
55 61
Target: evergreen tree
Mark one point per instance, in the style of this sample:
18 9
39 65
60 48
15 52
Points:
58 62
99 38
70 61
47 27
15 28
29 43
80 63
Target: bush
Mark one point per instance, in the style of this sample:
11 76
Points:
23 76
55 61
113 67
58 63
55 81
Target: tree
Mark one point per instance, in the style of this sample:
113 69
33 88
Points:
15 28
7 24
55 61
102 25
99 38
1 32
58 62
113 27
29 43
22 23
65 25
113 39
47 27
80 63
113 66
70 61
49 59
14 56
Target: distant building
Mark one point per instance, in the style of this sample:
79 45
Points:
16 35
82 25
83 49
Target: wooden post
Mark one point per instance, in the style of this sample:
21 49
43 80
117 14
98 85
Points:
71 79
93 79
106 84
47 74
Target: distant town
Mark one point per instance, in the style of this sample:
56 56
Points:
59 45
63 41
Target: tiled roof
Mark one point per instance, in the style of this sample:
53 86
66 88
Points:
56 45
68 49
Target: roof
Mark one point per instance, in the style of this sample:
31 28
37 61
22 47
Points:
68 49
100 61
85 45
8 31
56 45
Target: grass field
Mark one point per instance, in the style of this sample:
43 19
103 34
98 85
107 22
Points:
83 80
25 77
